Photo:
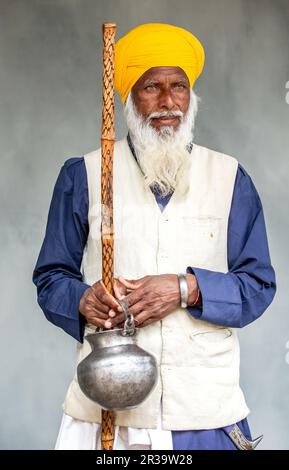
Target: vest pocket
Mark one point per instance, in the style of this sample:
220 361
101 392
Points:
213 348
204 238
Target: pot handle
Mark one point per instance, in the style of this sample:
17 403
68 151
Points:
129 325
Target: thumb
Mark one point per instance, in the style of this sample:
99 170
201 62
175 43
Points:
119 290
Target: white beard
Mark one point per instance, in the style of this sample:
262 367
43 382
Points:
162 155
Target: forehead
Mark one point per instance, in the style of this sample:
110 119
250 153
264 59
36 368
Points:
162 73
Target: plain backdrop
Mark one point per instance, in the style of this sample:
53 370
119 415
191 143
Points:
50 110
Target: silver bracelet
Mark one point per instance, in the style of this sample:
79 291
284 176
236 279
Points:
184 290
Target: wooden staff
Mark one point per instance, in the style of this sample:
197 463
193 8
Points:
107 146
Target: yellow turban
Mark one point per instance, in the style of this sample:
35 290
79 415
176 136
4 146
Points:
155 45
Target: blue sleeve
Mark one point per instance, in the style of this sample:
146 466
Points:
57 273
241 295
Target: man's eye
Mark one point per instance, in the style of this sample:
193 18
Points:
150 87
180 85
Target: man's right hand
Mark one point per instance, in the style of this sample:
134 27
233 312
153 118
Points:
96 303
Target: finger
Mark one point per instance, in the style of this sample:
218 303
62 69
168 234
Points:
134 297
142 318
131 284
137 308
106 298
147 322
107 324
97 322
112 313
112 323
95 303
94 312
116 320
136 322
119 291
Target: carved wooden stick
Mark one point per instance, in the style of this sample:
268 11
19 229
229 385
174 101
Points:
107 146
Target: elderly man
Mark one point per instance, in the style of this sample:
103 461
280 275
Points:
184 215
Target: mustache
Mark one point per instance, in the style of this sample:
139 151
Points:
160 114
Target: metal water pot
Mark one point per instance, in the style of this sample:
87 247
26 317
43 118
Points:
117 374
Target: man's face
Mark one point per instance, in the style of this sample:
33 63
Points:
162 89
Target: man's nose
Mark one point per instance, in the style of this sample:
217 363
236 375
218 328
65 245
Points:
166 100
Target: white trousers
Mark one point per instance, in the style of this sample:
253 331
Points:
80 435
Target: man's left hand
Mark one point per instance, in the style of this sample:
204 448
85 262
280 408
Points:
150 299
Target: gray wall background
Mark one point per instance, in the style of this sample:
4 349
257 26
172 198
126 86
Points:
50 96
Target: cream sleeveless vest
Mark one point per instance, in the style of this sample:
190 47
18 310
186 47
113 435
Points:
198 361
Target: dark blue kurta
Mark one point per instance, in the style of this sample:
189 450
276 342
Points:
232 299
